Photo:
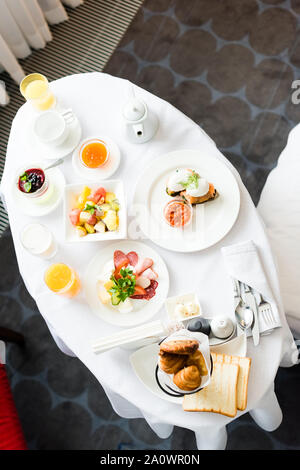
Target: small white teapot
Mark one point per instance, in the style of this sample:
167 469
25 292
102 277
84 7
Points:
140 123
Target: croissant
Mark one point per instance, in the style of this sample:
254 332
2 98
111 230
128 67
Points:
188 378
187 346
197 359
171 363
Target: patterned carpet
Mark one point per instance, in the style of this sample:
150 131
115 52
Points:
229 66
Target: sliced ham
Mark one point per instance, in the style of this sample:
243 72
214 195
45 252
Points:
120 260
133 258
143 281
150 274
143 264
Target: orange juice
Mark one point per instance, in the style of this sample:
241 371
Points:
62 280
35 89
94 153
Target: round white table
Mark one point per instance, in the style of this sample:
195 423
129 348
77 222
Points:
97 99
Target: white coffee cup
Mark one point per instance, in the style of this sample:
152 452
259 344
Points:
52 127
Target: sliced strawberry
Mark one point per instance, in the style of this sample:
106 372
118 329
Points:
74 216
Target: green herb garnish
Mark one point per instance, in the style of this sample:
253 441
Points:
192 181
125 286
89 208
27 186
24 177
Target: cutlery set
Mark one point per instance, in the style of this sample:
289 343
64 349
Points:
249 307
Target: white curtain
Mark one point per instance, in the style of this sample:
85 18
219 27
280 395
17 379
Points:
24 26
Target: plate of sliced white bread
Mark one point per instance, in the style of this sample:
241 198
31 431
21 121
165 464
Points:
228 389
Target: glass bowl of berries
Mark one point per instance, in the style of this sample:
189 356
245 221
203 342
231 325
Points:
32 181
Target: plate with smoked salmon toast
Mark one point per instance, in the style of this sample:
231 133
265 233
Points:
187 201
126 283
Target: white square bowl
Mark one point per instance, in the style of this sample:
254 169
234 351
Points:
72 191
171 303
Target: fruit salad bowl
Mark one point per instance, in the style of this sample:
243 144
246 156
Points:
95 211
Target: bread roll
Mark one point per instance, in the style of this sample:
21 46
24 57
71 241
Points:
188 378
186 346
171 363
197 360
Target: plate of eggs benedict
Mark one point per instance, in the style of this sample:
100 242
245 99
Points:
186 201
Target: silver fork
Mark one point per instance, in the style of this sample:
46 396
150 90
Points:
264 309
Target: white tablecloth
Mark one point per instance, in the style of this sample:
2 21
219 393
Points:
97 99
280 211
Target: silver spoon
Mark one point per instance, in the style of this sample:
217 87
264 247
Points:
244 316
56 163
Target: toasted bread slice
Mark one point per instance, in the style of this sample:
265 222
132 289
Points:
211 194
244 364
220 396
172 193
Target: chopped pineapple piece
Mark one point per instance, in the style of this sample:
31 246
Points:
108 285
84 217
83 197
81 231
115 205
100 227
89 228
111 220
109 197
105 207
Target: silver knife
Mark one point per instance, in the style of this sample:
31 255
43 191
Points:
237 293
250 300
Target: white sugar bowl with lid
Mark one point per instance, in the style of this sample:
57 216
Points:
140 123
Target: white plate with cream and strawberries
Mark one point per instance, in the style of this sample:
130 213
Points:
126 283
190 201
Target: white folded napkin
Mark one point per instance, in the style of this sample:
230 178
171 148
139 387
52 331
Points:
243 263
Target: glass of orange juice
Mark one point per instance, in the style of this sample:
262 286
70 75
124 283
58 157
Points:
35 89
94 153
62 280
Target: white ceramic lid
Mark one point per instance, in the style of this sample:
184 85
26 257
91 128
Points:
134 110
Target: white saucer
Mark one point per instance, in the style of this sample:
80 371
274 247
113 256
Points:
35 209
51 152
105 171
